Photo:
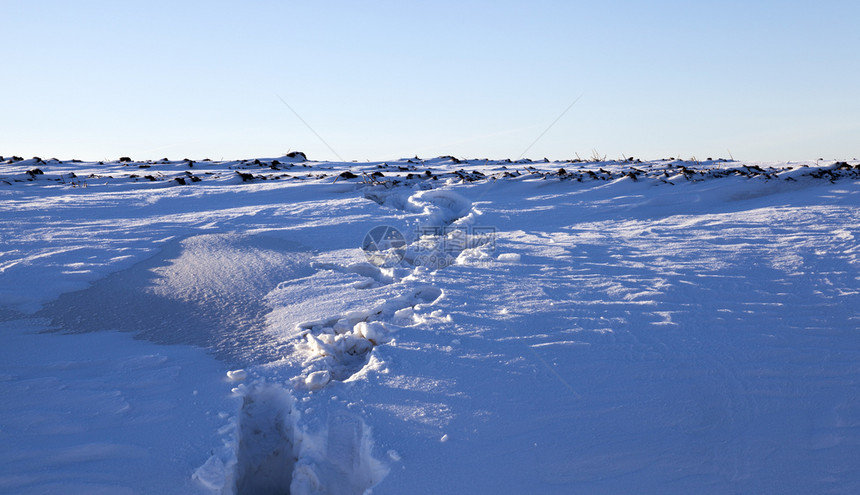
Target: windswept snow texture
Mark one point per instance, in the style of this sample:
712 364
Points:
429 326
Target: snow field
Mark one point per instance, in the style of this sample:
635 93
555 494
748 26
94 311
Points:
657 327
103 413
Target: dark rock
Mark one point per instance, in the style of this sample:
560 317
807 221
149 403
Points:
124 159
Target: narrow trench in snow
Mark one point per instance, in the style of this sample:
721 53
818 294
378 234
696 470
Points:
267 446
273 459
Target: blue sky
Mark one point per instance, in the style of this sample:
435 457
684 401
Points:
762 80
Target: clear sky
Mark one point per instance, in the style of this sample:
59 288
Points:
762 80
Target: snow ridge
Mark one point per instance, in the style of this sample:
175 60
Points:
425 173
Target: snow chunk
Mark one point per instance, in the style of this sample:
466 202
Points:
376 332
509 257
342 326
237 375
318 379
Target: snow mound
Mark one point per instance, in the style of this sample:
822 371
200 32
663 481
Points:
207 290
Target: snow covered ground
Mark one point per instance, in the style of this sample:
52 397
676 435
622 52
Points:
429 326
